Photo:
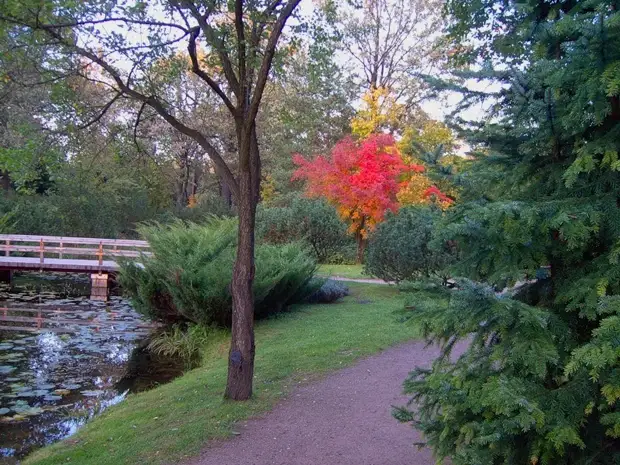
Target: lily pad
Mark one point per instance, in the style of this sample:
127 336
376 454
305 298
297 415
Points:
46 386
41 392
32 411
4 411
95 393
50 398
6 369
61 392
71 386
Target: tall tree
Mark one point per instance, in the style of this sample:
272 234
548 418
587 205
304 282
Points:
122 39
539 381
390 42
309 103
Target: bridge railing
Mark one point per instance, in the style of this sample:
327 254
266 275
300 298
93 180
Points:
61 247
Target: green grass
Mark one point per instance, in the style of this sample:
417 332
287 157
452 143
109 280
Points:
343 271
177 420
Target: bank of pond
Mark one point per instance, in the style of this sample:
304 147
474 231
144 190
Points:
52 381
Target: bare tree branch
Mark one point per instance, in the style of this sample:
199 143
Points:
153 102
191 48
102 113
270 50
211 36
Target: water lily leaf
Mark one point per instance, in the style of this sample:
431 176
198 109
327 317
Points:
32 411
46 386
71 386
6 369
94 393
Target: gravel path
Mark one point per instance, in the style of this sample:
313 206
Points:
344 419
359 280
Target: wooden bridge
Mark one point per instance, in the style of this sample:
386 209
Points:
68 254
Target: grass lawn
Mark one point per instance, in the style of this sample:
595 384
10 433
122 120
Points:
176 420
343 271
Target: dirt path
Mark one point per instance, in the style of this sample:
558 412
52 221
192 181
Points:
359 280
344 419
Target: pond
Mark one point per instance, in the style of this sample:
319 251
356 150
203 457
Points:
52 383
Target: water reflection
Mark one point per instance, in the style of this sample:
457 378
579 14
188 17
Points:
53 383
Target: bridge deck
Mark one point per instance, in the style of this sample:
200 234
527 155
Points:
58 264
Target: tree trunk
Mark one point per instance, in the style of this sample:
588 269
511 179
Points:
242 349
361 241
5 180
361 247
226 193
241 356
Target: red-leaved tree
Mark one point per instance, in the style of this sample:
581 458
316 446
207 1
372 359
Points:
360 178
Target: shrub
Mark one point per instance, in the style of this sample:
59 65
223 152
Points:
312 221
329 292
398 250
188 277
181 343
185 344
274 225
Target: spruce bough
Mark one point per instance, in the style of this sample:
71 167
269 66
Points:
539 382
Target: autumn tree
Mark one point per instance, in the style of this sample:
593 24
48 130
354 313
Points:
121 39
360 178
379 112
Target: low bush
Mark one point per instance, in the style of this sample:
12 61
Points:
188 277
185 344
313 221
329 292
398 250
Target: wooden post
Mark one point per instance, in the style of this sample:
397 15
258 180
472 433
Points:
60 253
100 254
99 286
7 252
39 320
41 250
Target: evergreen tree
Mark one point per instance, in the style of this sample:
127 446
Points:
539 379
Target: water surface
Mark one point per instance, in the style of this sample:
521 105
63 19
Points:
52 383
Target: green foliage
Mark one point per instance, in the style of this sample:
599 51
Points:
312 221
188 276
399 249
539 382
507 388
97 209
185 344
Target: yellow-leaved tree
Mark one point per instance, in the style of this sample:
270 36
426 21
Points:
380 112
